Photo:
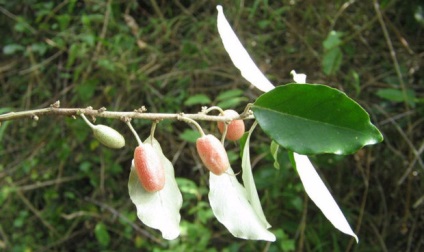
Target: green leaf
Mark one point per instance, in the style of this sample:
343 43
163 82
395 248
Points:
40 48
12 49
332 61
188 186
190 135
229 94
314 119
86 90
197 99
274 152
159 210
231 103
396 95
101 234
332 40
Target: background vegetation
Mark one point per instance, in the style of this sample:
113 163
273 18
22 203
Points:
61 191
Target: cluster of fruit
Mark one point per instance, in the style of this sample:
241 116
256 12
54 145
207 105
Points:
148 164
210 149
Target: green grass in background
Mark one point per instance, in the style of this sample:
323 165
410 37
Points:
61 191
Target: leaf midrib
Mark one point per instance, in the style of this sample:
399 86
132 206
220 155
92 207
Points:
315 121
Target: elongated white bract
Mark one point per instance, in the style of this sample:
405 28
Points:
241 59
249 183
320 195
161 209
313 184
231 207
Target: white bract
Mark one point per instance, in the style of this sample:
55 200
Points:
161 209
314 186
249 183
236 207
320 195
230 205
239 55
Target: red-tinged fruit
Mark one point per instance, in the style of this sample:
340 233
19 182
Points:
213 154
235 128
149 168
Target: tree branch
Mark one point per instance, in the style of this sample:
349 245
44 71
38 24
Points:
55 110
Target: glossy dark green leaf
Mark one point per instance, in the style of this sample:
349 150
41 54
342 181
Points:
314 119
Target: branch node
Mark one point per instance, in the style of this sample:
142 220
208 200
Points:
125 119
101 110
247 112
35 117
56 104
141 109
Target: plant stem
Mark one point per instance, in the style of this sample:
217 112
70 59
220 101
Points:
87 121
73 112
191 121
128 122
224 134
213 108
152 131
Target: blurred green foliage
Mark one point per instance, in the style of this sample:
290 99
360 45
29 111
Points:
61 191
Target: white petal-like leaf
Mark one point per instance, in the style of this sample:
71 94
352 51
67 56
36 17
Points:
239 55
249 183
229 203
320 195
159 210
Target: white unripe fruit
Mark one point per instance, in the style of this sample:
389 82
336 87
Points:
108 136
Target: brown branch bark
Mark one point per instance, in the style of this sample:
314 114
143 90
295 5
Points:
55 110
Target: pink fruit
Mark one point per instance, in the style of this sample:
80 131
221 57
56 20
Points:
235 129
213 154
149 168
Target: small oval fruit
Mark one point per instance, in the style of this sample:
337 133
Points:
108 136
213 154
149 168
235 129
